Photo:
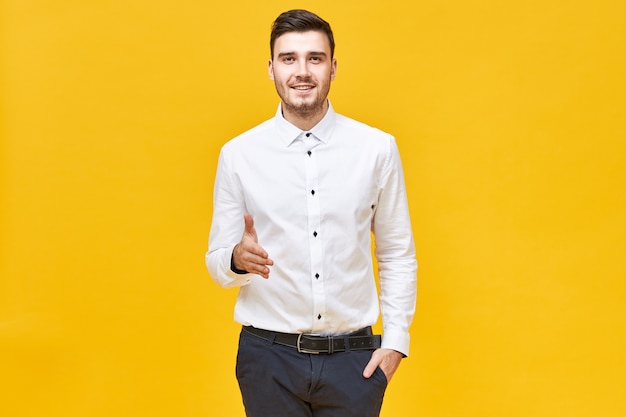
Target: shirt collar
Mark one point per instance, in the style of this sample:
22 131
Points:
288 133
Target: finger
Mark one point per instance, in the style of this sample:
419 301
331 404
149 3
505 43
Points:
258 266
249 226
253 263
260 259
371 367
263 272
250 252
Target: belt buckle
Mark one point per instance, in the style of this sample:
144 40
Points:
314 352
301 350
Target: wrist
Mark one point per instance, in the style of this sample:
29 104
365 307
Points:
233 267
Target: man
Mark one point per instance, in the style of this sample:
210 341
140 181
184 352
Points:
296 200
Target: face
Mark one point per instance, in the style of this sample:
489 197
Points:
302 70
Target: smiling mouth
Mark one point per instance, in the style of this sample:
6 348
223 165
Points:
302 87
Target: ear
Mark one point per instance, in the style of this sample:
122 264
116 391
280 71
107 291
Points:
333 69
270 69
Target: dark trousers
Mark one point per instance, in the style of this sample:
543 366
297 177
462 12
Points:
278 381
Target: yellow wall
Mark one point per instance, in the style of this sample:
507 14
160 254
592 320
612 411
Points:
510 119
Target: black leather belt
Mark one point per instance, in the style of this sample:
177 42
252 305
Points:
305 343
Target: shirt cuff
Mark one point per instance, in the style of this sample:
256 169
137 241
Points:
396 340
219 263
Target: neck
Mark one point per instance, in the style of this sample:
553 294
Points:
304 119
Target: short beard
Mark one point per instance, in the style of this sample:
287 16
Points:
305 109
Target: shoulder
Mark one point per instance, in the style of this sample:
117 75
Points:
344 122
361 131
249 136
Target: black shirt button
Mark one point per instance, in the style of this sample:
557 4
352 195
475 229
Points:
314 234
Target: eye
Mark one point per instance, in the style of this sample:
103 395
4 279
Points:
316 59
288 59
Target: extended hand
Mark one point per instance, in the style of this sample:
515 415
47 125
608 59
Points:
248 255
387 359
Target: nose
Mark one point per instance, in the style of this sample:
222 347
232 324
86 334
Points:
302 69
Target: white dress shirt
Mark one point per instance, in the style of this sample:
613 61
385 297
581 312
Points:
316 198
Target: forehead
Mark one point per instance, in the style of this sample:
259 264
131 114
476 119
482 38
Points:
302 43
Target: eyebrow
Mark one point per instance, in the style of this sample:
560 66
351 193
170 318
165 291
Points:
314 53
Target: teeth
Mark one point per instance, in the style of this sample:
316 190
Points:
302 88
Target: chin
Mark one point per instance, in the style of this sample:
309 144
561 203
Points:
305 106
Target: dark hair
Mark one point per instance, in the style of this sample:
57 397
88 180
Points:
300 21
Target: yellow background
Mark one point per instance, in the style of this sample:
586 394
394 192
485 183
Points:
510 117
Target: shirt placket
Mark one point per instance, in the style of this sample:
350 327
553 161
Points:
315 241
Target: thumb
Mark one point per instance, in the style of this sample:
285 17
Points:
370 368
249 226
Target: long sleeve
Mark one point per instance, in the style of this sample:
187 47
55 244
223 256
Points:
226 227
395 253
